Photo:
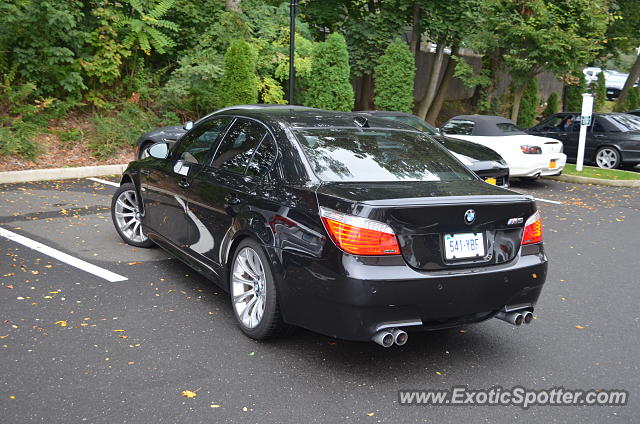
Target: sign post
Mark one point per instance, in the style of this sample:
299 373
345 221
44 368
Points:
585 121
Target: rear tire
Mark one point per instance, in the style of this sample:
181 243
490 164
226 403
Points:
125 213
254 295
608 157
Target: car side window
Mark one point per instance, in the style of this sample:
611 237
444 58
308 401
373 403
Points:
552 124
196 146
263 158
238 146
458 127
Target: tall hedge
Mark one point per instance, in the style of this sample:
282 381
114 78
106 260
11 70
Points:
329 84
552 105
529 104
633 99
599 91
239 84
394 77
573 93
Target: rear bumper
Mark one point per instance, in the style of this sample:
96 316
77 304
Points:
540 166
367 293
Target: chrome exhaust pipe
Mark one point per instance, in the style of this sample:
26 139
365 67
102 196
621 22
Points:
384 338
400 337
528 317
516 318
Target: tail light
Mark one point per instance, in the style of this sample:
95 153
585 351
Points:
359 236
532 229
531 150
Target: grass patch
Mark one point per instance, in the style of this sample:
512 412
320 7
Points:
600 173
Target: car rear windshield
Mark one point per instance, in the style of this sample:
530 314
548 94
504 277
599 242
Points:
626 122
458 127
509 128
378 155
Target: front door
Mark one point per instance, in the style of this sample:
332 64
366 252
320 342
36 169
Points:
164 182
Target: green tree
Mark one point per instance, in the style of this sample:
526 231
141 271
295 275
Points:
633 100
553 35
599 91
552 105
144 28
329 85
239 83
394 77
529 104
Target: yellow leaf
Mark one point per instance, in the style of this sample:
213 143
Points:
188 394
438 372
215 406
579 327
117 331
12 397
62 323
4 337
370 414
134 263
244 408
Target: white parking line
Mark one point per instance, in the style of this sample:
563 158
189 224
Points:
548 201
63 257
100 180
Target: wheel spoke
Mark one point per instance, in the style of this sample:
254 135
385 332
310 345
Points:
123 215
245 267
241 297
246 310
127 224
124 205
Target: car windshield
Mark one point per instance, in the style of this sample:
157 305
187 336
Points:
626 122
458 127
346 154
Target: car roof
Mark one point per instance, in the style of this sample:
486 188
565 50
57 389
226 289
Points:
305 117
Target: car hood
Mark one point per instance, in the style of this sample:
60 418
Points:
164 134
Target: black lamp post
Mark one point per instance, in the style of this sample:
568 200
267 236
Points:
292 49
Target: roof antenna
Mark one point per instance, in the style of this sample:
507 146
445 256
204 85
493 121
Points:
361 121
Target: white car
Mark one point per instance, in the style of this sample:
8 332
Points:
528 156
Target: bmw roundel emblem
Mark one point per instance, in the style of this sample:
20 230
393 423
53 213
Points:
470 216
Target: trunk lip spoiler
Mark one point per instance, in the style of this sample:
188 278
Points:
449 200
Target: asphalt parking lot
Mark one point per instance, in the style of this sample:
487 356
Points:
77 347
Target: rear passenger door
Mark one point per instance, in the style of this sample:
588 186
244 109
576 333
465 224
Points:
221 193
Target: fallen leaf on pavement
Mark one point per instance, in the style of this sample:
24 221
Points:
188 394
579 327
62 323
117 331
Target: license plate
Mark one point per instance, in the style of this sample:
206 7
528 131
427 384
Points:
463 245
491 180
552 163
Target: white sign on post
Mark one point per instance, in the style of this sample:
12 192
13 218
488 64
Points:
585 121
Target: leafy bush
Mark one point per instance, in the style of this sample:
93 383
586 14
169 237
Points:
529 104
114 132
599 91
239 83
329 85
192 88
574 91
69 137
394 78
552 105
18 140
633 99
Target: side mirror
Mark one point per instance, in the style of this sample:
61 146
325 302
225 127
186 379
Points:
159 151
187 125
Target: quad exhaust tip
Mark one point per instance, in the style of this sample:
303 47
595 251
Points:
386 338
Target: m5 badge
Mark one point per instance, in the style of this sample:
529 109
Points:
515 221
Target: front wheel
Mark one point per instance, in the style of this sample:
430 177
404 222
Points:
608 157
254 294
125 212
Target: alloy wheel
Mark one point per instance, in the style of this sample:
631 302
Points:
248 287
127 216
607 158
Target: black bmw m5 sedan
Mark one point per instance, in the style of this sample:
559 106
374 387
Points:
354 227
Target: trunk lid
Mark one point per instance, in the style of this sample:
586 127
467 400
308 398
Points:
422 214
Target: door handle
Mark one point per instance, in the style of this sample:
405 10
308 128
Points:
184 183
232 199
